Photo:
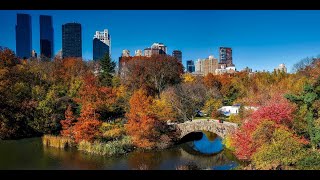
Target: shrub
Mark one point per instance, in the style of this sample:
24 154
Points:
112 131
227 141
284 149
235 118
309 162
110 148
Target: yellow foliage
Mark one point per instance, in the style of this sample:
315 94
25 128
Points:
283 149
112 131
212 105
188 78
121 91
57 141
227 141
163 109
235 118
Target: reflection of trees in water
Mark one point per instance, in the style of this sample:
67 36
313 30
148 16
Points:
151 160
69 159
31 154
21 154
211 136
74 159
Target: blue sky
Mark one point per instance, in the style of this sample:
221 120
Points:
259 39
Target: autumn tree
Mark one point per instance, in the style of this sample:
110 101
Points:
212 81
308 102
87 126
7 58
247 141
68 123
16 105
101 98
278 110
142 123
283 149
188 98
154 73
188 78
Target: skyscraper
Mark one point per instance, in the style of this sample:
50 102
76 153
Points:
101 44
71 40
226 56
190 66
23 36
46 36
177 54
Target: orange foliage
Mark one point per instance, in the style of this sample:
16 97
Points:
68 68
87 127
7 58
211 80
142 123
95 95
68 123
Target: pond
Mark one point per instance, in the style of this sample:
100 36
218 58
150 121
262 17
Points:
206 152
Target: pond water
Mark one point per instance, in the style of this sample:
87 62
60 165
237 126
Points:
206 152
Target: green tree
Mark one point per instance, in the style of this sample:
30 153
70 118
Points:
309 104
107 70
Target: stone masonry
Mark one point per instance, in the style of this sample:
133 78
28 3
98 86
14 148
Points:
221 129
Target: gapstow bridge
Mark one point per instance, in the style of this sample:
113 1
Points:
211 125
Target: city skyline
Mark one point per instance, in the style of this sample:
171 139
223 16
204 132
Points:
260 40
46 36
23 31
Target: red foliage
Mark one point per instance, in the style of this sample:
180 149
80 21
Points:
92 97
280 112
67 124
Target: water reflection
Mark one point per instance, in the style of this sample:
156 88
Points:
30 154
210 143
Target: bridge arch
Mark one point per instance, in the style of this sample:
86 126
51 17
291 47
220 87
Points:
214 126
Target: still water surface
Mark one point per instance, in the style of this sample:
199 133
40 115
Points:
207 153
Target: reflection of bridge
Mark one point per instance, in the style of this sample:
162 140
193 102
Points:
211 125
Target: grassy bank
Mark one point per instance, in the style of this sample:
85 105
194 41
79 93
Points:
109 148
57 141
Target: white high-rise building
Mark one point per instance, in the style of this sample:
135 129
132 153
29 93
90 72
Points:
104 36
282 67
160 46
199 66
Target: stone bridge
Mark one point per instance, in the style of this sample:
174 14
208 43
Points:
211 125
